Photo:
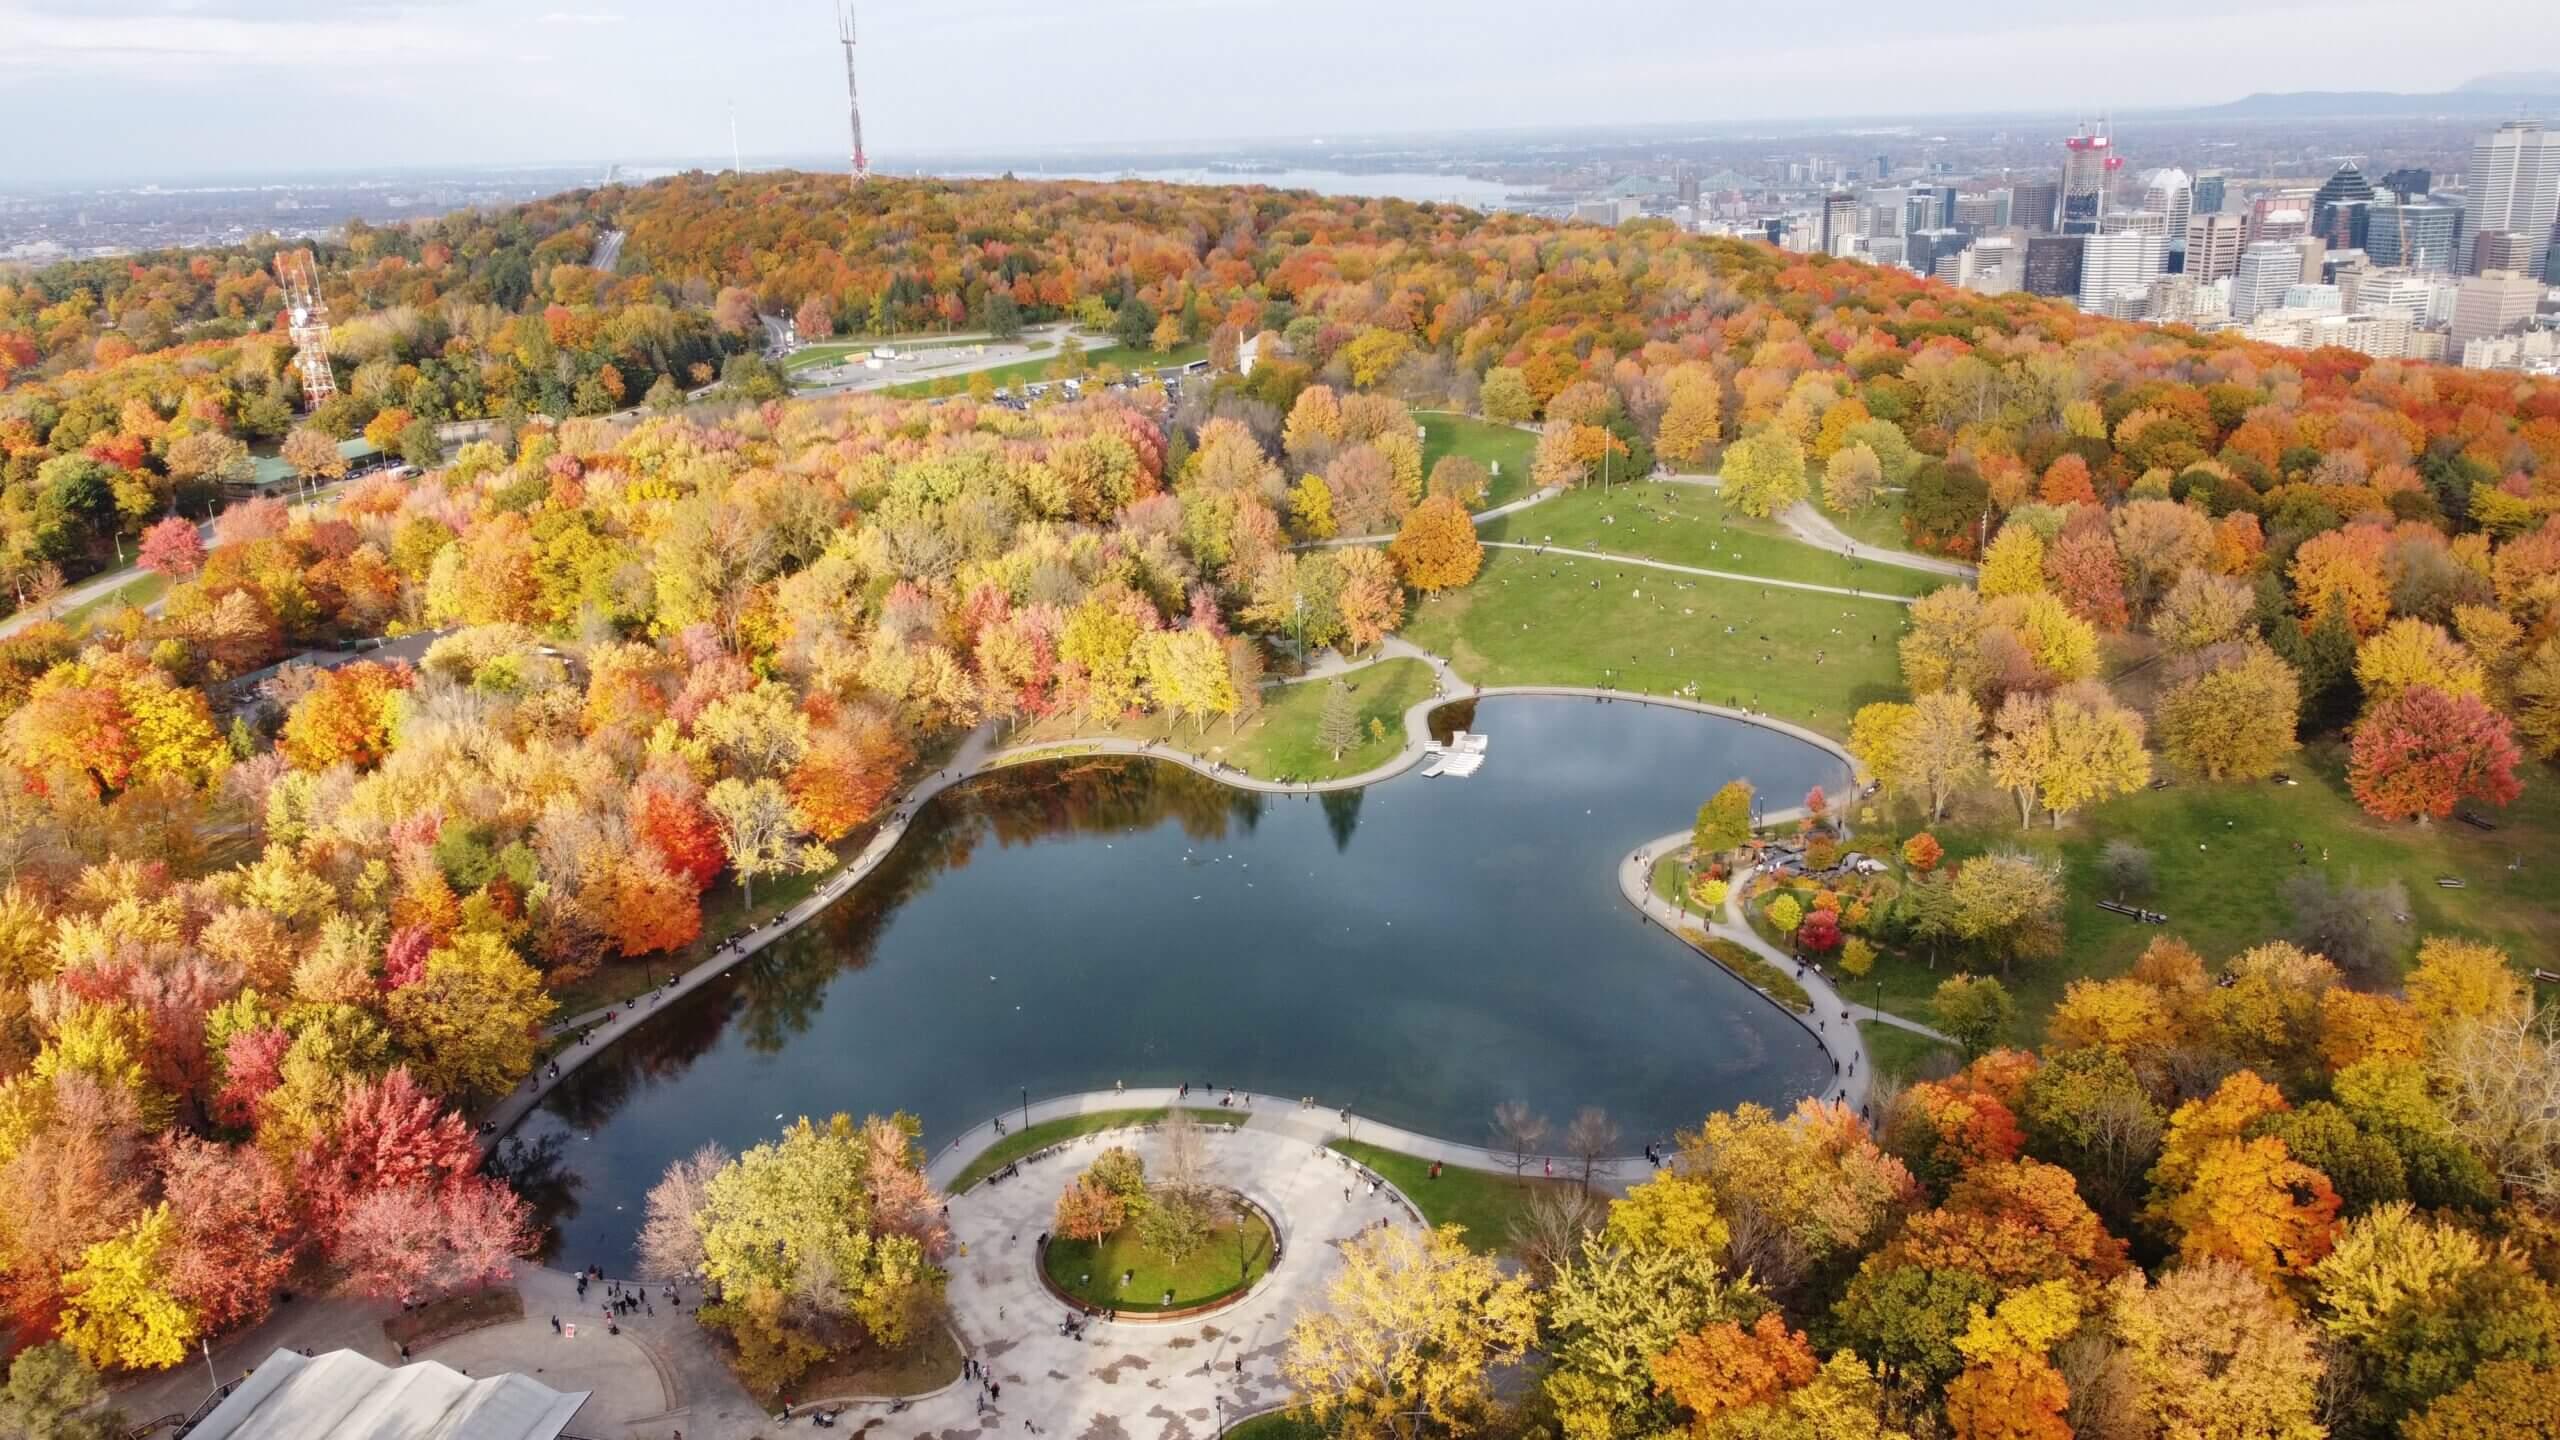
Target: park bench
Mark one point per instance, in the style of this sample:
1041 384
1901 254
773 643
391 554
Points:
2134 912
2475 819
2451 882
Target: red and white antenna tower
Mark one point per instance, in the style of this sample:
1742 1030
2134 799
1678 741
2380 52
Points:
852 94
307 321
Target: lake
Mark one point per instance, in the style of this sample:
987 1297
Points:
1421 951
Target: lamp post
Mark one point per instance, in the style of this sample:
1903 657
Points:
1026 1107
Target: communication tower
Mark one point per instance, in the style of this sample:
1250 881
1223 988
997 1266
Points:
307 322
852 95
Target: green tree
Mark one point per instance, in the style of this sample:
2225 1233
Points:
1764 472
1614 1308
49 1397
1505 398
1974 1010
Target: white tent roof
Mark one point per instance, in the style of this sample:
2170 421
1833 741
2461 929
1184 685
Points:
344 1396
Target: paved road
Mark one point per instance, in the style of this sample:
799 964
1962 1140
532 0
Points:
608 252
1000 353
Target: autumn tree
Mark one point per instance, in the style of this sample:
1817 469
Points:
471 1023
118 1309
671 1237
1851 478
2422 751
1764 472
171 547
2235 720
1724 821
1973 1010
313 455
1338 723
1412 1327
1437 549
2205 1350
53 1394
761 830
346 717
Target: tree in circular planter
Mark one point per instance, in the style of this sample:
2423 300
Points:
1125 1243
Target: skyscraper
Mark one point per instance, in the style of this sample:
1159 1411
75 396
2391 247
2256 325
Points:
2433 228
1684 176
2089 164
2209 188
2499 250
2053 264
1839 220
2032 204
2117 270
2213 247
2266 270
2341 208
2492 304
2514 184
2172 194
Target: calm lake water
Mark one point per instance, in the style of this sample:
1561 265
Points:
1421 951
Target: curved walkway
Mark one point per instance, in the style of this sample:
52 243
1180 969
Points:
598 1029
1763 581
1814 528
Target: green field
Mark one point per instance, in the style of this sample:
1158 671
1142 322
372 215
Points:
1023 372
1275 1425
142 589
1877 523
1689 525
1483 441
1279 742
1482 1202
1532 619
827 352
2221 857
1018 1143
1236 1254
1898 1054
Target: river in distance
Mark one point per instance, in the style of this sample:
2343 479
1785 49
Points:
1420 950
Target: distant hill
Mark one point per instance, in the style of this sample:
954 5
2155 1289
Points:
2525 92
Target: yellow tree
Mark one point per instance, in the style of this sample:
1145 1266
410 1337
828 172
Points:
2456 982
2410 651
1410 1329
2209 1351
761 832
2235 721
470 1024
1311 505
1850 476
1764 472
1691 418
118 1312
2014 563
1943 750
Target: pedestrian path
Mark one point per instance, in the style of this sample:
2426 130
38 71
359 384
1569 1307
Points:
1814 528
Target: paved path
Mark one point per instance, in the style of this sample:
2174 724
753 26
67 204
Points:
1512 507
1815 529
1638 560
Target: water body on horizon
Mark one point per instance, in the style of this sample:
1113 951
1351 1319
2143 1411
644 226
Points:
1420 951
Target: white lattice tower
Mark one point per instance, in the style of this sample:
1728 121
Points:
852 93
307 322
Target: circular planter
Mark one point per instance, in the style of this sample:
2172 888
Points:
1155 1315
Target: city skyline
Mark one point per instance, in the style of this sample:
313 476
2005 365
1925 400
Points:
215 87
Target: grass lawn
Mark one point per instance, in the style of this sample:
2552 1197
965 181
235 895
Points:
1022 372
1275 1425
1488 444
1900 1055
1236 1254
1877 523
1689 525
828 352
1015 1144
142 589
2222 855
1742 960
1280 740
1531 619
1483 1202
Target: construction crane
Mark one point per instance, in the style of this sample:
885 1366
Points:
852 95
307 322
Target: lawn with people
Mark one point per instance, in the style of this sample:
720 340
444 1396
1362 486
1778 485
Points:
1504 450
1689 524
1284 738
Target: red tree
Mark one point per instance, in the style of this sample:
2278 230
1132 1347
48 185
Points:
252 1065
413 1240
1820 932
390 1134
171 547
235 1230
681 831
2421 751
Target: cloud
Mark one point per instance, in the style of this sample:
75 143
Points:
53 41
579 17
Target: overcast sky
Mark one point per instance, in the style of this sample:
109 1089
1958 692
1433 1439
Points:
174 88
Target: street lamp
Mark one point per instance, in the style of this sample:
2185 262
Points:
1026 1107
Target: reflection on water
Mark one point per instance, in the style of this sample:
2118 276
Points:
1421 951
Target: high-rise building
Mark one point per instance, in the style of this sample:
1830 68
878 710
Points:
1920 211
2137 222
2409 183
1987 211
1840 219
2172 195
2395 292
2033 203
2499 250
1884 167
2341 207
2089 163
2266 269
2433 229
2111 266
1684 180
2277 223
2514 184
2053 265
1923 249
2493 303
2209 187
2213 246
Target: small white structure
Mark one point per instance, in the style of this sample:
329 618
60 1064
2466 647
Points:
1463 756
344 1395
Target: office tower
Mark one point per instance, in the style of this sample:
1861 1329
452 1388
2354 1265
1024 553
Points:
2089 164
1987 211
2409 183
2499 250
2278 224
1885 249
2137 222
1840 219
2209 187
1920 211
2433 231
2391 292
2265 270
2341 207
2493 303
2173 195
1684 180
1884 167
2514 184
2314 254
1922 250
2053 264
2111 265
2032 204
2213 247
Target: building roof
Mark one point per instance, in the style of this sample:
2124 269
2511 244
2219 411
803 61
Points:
272 471
344 1396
